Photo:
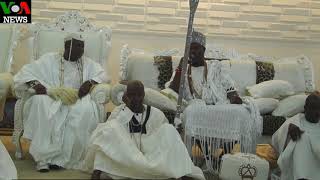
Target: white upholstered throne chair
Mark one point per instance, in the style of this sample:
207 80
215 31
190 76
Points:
10 36
49 37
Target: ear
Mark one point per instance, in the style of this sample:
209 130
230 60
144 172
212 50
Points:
67 44
125 97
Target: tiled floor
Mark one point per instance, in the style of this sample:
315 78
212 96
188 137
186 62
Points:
26 166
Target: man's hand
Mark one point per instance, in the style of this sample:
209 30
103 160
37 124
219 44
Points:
234 98
38 87
85 88
294 132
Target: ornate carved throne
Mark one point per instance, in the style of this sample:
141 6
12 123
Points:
49 37
10 36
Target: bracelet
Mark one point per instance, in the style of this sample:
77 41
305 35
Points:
92 82
34 83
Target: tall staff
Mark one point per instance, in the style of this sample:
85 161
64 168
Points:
193 4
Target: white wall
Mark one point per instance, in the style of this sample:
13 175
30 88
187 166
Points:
272 19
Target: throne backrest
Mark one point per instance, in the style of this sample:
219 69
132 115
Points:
9 35
49 37
155 70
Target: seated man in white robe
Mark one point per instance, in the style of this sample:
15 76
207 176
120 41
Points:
61 116
7 168
138 142
198 85
208 84
297 142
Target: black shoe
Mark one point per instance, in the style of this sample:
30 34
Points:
43 170
55 167
42 167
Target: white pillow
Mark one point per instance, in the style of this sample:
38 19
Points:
243 73
233 164
289 70
152 98
156 99
290 106
139 65
266 105
271 89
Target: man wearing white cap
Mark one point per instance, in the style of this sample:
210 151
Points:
207 84
60 117
197 77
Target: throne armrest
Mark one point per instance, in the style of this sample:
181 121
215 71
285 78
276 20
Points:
6 81
101 93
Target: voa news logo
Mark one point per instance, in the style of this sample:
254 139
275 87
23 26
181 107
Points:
15 11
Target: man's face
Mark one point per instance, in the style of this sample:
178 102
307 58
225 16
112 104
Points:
77 49
312 107
135 95
196 54
314 114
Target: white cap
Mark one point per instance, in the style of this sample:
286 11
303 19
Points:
198 37
73 36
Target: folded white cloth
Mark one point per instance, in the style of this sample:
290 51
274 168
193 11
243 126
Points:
7 167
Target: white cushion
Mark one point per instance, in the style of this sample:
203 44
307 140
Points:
290 106
5 36
96 46
139 65
156 99
231 165
289 70
243 73
152 97
271 89
266 105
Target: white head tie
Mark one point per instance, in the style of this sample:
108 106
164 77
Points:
198 37
73 36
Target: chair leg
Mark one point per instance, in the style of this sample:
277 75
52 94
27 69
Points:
16 140
18 128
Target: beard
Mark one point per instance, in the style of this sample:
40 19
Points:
136 107
197 60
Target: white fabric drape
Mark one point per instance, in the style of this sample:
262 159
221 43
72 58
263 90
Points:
216 125
7 167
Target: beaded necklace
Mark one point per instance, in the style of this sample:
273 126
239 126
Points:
79 67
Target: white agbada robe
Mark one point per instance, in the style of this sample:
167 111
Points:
7 168
234 122
114 150
59 133
212 91
299 159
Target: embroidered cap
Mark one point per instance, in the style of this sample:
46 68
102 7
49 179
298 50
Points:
198 37
73 36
